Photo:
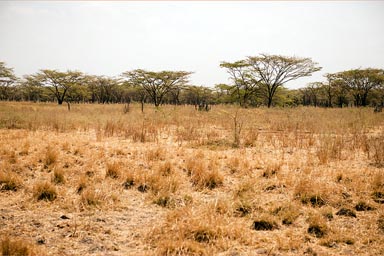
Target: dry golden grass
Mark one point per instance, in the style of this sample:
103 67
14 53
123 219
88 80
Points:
17 247
100 180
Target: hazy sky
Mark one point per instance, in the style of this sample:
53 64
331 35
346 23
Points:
108 38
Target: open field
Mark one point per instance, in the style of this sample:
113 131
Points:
176 181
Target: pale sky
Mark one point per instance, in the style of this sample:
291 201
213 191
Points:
108 38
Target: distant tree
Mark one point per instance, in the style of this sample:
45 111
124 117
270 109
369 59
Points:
104 89
32 90
59 83
224 93
245 83
273 71
315 90
360 82
198 95
157 84
175 93
7 80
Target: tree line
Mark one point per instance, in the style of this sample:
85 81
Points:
254 81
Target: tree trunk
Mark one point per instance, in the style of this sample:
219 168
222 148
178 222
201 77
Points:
364 100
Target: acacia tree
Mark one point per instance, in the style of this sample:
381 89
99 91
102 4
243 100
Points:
245 84
198 95
273 71
157 84
312 93
7 79
59 83
360 82
104 89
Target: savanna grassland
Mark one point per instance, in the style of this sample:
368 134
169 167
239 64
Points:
106 180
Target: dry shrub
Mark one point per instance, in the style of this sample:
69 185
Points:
92 197
376 150
51 156
9 181
244 198
336 237
363 206
12 157
184 226
234 164
17 247
113 170
58 176
179 247
346 212
156 183
44 191
327 212
264 222
25 149
378 187
129 180
330 148
111 128
155 154
310 192
82 184
250 137
187 132
317 226
203 176
165 169
272 170
288 213
238 165
380 223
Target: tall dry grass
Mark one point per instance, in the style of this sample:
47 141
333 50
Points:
176 181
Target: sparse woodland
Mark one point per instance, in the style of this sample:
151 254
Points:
254 82
239 179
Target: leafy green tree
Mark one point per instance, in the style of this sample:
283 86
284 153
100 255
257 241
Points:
245 84
360 82
273 71
104 89
198 95
7 80
59 83
224 93
157 84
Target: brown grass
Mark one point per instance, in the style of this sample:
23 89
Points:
175 181
44 191
9 181
10 246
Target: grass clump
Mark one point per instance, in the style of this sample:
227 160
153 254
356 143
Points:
317 226
309 193
45 191
346 212
129 181
287 213
203 176
51 156
16 247
58 176
9 181
92 197
264 225
113 170
363 206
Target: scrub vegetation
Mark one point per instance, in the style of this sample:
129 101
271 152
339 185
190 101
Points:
172 180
